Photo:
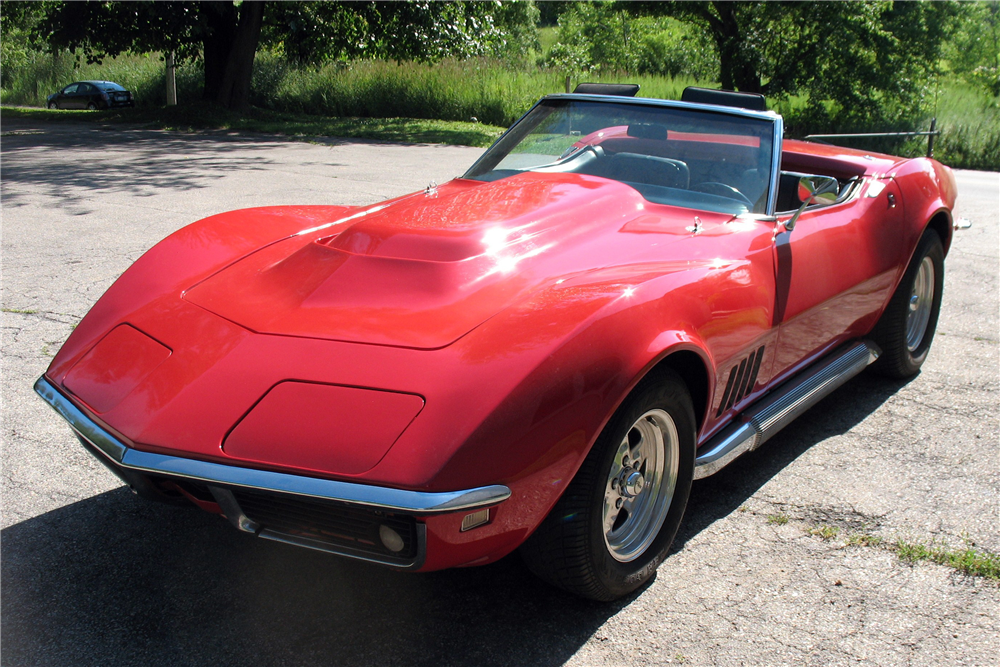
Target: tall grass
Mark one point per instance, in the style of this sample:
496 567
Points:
490 91
969 120
145 75
493 92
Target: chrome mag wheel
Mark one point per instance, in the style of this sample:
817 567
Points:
920 304
640 485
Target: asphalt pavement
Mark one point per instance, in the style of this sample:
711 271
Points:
785 557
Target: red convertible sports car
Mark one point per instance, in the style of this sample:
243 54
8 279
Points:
621 295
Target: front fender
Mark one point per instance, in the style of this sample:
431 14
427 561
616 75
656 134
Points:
183 259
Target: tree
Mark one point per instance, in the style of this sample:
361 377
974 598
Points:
604 36
973 52
313 32
226 34
223 34
868 58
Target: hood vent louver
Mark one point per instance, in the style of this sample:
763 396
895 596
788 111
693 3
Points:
742 378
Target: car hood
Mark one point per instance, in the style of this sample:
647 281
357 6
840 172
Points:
422 271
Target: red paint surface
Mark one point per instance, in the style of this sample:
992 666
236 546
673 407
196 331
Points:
322 427
522 311
115 367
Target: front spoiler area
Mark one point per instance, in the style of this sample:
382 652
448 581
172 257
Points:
221 480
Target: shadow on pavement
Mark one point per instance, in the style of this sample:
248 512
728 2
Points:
114 580
723 493
73 167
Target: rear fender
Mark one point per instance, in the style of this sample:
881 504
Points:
929 191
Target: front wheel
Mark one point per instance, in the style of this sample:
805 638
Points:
617 519
906 328
52 105
92 106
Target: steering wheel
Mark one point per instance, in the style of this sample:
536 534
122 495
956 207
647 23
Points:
723 190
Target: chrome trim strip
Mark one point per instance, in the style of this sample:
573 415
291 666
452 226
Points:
83 425
762 420
805 390
377 497
656 102
734 441
777 146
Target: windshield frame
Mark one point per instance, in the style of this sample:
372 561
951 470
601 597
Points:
512 133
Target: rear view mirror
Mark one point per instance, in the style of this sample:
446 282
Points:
822 190
814 191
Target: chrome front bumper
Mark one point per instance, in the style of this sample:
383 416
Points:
222 480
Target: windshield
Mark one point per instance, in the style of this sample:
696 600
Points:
682 157
111 87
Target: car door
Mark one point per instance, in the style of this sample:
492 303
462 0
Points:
87 95
66 99
834 272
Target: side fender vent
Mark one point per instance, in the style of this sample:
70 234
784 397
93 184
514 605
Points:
742 378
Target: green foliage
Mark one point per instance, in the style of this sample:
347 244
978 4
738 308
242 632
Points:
603 37
969 119
224 36
45 73
489 90
18 26
973 51
867 62
319 32
107 29
672 48
827 67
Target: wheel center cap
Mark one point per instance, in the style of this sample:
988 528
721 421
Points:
914 300
633 483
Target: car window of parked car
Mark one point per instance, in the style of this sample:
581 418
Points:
112 87
70 89
698 159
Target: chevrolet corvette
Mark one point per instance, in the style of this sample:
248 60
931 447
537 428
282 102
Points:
621 296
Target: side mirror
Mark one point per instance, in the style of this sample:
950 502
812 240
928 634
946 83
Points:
814 191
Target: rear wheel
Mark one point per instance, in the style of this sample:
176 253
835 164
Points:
618 517
907 326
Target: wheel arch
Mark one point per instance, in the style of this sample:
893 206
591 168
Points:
693 370
941 223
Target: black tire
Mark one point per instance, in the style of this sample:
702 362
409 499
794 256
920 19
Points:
52 105
904 333
91 106
572 548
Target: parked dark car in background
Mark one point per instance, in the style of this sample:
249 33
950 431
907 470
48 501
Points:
91 95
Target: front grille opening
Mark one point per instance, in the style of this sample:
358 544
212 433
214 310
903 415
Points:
185 491
338 525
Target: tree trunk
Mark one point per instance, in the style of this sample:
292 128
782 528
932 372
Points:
229 48
220 18
234 90
736 69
